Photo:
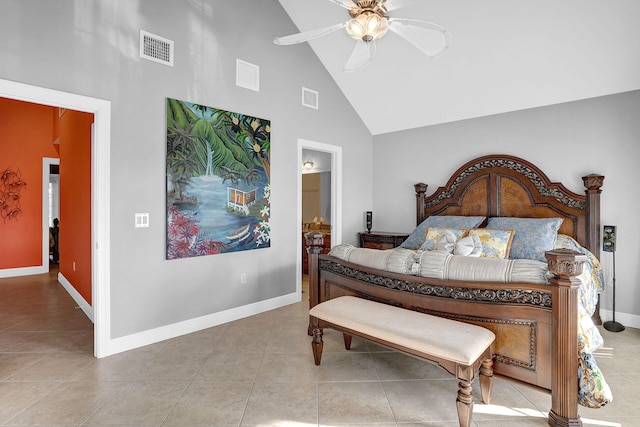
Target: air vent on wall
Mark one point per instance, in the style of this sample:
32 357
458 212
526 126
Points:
156 48
247 75
310 98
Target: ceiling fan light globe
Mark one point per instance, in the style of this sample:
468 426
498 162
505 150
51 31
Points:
354 29
367 26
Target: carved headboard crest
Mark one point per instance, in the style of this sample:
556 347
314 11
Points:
504 185
517 165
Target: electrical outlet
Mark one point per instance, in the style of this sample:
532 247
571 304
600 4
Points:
243 278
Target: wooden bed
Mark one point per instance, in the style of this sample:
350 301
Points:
536 326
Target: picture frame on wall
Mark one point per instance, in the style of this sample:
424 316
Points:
217 181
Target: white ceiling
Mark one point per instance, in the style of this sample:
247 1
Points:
506 55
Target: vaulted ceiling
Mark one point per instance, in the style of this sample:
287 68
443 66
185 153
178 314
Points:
506 55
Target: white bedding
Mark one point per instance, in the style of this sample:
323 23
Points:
439 264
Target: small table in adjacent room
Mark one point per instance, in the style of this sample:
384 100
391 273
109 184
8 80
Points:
381 239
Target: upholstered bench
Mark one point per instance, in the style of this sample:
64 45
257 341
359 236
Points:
461 348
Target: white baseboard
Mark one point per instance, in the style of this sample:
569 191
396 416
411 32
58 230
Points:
82 303
140 339
628 320
23 271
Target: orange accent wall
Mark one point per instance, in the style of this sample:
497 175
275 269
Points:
25 138
27 134
74 131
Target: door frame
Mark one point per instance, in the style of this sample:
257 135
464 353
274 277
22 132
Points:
46 175
336 198
100 190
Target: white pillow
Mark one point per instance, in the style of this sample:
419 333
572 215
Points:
446 242
468 246
441 265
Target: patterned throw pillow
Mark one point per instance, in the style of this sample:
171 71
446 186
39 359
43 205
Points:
447 235
534 236
495 243
417 237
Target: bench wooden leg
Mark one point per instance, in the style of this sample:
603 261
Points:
316 345
347 341
464 403
486 380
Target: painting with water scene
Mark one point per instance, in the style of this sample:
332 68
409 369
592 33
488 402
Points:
217 181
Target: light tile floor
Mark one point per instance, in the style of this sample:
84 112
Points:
257 371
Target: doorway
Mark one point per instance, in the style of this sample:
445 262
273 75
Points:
50 207
329 162
100 148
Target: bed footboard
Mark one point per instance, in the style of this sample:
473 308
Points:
536 326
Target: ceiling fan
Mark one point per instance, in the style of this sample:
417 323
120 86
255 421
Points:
369 22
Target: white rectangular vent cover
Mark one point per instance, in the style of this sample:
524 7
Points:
156 48
310 98
247 75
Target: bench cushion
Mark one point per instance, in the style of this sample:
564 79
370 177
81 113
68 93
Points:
448 339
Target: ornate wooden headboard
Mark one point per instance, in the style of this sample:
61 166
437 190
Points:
503 185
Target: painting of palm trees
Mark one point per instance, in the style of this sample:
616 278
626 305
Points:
218 169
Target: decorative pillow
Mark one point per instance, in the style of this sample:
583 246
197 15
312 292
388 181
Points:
495 243
402 261
416 239
534 236
396 260
441 265
468 246
447 235
447 242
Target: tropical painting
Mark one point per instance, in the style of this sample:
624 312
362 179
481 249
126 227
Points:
218 170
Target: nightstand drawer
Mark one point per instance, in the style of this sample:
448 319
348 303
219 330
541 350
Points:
381 239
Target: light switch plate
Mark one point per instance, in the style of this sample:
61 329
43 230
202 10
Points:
142 220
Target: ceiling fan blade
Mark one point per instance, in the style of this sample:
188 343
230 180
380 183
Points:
308 35
390 5
362 54
430 38
347 4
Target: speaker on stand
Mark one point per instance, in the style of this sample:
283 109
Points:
609 245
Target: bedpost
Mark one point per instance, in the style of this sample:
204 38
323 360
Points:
565 265
421 189
315 243
592 184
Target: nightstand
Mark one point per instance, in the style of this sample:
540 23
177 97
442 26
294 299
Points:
381 239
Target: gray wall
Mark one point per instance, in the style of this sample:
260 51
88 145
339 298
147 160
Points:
90 47
567 141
